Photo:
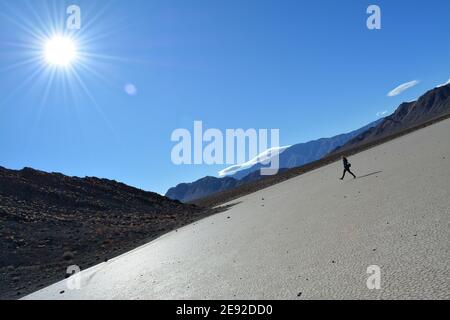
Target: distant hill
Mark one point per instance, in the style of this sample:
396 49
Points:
49 221
294 156
433 104
207 186
201 188
409 115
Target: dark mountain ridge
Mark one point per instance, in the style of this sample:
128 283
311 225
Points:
433 104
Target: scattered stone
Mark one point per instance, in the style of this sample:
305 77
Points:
374 249
228 217
299 294
333 261
68 256
61 292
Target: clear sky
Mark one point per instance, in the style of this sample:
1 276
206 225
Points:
310 68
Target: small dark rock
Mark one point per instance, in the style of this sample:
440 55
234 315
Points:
299 294
68 256
61 292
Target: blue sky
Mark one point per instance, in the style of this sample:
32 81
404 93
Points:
310 68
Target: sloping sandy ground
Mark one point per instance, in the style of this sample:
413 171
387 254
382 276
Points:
311 237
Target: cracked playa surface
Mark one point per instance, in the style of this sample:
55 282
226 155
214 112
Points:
312 234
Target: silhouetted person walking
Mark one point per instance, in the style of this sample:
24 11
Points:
347 166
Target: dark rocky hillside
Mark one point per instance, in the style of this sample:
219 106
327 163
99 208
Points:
50 221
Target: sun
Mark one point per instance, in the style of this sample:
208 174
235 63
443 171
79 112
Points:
60 51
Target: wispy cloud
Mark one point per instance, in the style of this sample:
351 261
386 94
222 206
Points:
403 87
263 158
382 113
444 84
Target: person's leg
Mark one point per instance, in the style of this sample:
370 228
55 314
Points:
343 174
351 174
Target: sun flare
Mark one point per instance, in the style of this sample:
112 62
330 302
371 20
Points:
60 51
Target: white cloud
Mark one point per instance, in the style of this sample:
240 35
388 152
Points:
403 87
444 84
263 158
382 113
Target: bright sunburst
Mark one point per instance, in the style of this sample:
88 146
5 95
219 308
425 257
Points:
61 61
60 51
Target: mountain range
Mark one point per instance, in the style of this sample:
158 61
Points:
433 104
294 156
